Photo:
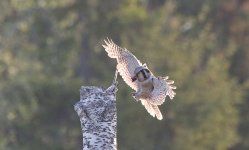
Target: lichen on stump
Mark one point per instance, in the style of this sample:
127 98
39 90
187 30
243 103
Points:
98 117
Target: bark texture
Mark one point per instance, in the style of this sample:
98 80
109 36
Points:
98 117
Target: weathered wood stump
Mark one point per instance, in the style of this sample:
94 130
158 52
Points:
98 117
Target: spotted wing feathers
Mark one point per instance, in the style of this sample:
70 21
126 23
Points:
162 88
126 62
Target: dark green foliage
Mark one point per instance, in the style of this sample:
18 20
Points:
48 49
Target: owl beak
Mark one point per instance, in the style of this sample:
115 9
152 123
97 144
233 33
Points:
133 78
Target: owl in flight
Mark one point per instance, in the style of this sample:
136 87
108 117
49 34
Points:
150 90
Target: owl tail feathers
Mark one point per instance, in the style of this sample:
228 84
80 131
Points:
157 112
153 110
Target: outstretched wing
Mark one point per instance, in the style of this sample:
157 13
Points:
162 88
153 110
126 62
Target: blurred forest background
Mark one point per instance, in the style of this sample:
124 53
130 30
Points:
49 48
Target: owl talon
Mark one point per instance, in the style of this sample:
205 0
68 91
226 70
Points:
135 99
134 96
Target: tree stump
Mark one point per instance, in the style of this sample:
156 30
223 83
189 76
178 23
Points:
98 117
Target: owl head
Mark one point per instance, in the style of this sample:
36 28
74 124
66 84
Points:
141 74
